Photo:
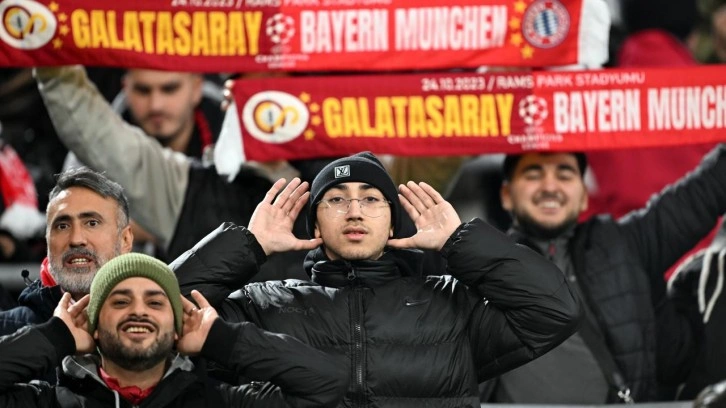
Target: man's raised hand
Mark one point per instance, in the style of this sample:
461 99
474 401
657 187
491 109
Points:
434 217
197 323
76 319
274 217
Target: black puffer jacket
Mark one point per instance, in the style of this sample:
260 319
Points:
412 341
620 266
300 376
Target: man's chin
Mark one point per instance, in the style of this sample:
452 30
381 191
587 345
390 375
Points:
545 230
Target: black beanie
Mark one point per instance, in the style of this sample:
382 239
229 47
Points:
363 168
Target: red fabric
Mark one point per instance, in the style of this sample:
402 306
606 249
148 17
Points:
133 394
654 48
204 133
45 277
16 184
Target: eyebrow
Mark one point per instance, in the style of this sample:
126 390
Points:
343 187
84 216
129 292
539 167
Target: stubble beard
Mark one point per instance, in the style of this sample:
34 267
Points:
113 349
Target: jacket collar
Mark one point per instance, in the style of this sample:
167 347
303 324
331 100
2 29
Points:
368 273
86 366
42 300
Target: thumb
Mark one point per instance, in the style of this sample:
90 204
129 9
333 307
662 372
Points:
310 243
401 243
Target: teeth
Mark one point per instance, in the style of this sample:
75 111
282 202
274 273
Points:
137 330
79 261
549 204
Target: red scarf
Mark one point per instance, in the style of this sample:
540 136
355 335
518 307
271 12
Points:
133 394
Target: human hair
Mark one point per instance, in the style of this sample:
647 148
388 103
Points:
511 161
96 182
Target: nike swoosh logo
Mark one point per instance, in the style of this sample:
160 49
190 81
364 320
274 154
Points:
415 302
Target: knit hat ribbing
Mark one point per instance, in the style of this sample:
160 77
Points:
364 168
133 265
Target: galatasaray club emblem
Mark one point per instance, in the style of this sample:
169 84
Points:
26 25
275 117
545 23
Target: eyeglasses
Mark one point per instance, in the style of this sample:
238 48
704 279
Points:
370 206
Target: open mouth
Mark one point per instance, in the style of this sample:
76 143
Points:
79 260
137 329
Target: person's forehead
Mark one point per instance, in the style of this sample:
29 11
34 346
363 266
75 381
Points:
76 200
137 285
351 187
543 159
150 77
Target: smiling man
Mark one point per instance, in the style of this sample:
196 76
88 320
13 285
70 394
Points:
411 340
87 225
135 317
632 344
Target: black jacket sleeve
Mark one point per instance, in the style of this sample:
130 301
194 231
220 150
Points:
525 306
222 262
302 376
677 218
25 355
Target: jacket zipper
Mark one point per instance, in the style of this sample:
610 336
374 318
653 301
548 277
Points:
356 320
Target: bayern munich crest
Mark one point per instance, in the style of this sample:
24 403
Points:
545 23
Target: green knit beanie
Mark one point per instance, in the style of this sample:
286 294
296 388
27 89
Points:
133 265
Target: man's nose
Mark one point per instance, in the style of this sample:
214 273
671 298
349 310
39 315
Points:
78 237
156 101
354 209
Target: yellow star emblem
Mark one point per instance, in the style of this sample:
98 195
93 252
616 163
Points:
520 6
53 6
527 52
516 39
57 43
64 30
314 107
515 23
316 121
305 97
62 17
309 134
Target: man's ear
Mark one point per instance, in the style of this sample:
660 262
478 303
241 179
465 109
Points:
505 196
197 88
127 239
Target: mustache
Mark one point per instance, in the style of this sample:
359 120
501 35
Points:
549 195
80 252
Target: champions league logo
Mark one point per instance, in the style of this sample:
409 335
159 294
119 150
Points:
533 110
545 23
26 25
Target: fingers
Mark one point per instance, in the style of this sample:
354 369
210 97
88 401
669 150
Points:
412 212
289 197
77 308
419 195
200 299
188 306
65 301
300 204
272 192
